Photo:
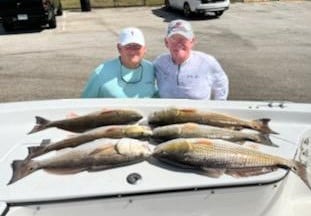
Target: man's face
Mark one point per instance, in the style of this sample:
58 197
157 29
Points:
180 47
131 54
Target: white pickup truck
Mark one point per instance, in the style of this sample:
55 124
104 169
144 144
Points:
190 7
158 191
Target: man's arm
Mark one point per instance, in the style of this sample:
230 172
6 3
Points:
93 84
220 89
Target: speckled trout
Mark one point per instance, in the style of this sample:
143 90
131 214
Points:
216 157
90 157
174 115
89 121
193 130
112 131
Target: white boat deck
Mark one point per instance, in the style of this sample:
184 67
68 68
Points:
292 121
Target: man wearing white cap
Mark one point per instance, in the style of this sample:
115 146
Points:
184 73
127 76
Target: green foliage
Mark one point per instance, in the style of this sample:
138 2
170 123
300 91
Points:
72 4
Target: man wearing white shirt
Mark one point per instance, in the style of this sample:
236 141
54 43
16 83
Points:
185 73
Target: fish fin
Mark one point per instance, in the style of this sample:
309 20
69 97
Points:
107 149
233 128
246 172
174 163
71 115
45 142
64 171
190 126
40 124
301 171
111 132
34 151
240 142
187 110
265 139
21 169
203 141
98 168
212 172
262 126
106 111
252 145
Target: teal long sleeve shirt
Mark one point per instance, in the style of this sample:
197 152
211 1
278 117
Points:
112 80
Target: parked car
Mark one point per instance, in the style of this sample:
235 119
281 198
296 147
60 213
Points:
190 7
22 12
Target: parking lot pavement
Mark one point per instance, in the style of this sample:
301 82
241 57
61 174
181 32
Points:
265 49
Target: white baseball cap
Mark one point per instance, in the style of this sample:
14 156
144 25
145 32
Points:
181 27
131 35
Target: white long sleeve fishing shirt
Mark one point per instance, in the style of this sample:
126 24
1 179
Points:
199 77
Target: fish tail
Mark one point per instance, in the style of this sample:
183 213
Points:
265 139
41 123
262 126
21 169
34 151
301 171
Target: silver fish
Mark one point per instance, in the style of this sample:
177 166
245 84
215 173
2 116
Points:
92 157
216 157
174 115
89 121
193 130
112 131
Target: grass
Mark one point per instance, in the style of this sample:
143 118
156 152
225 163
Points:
71 4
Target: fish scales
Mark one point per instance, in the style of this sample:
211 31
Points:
217 157
235 157
221 119
91 157
89 121
193 130
82 158
114 131
174 115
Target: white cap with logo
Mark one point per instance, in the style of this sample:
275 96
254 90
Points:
131 35
181 27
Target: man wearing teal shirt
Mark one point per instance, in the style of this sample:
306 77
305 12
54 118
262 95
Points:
128 76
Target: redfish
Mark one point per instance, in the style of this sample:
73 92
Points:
89 121
89 157
193 130
217 157
174 115
112 131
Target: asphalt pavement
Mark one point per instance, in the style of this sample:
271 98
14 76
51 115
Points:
264 48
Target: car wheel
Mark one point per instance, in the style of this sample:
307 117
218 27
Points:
167 4
7 26
60 9
187 10
52 21
218 13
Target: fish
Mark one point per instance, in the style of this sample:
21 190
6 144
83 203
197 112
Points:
175 115
89 121
193 130
217 157
111 131
95 156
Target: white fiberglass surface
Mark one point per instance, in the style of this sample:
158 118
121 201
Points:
18 118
